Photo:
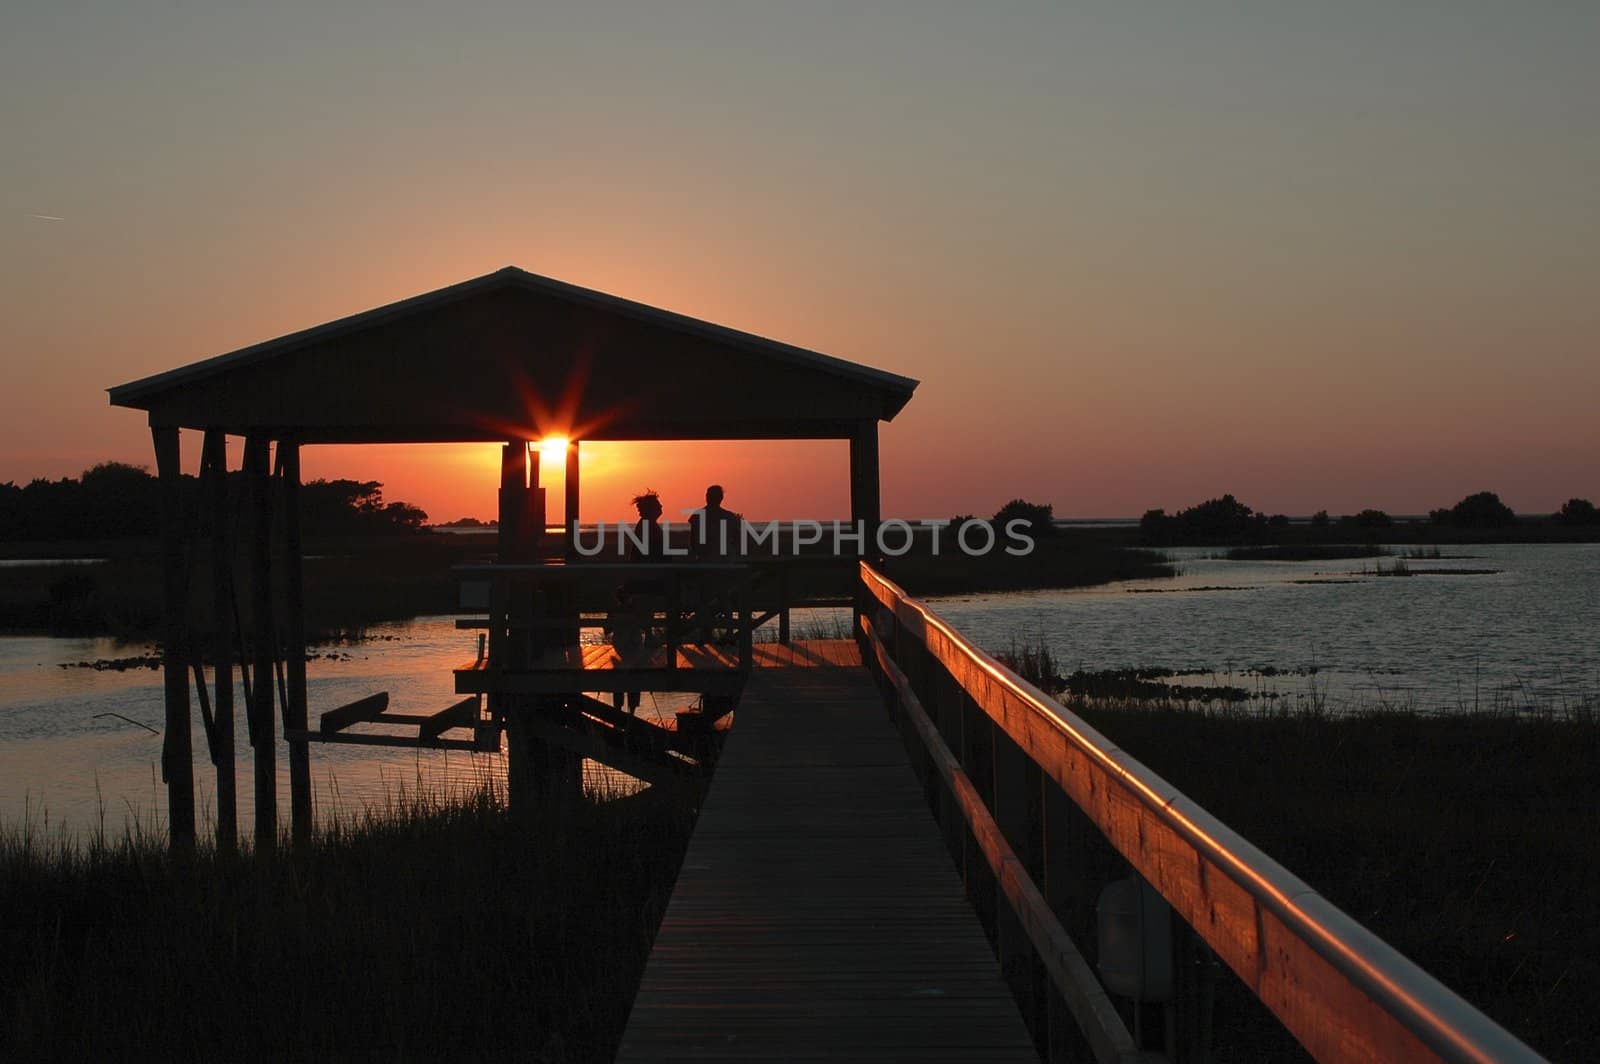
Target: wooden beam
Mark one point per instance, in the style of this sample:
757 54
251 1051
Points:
406 741
215 484
294 628
177 751
262 724
362 709
464 714
582 744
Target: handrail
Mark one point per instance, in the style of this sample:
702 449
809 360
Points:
1343 992
1087 1000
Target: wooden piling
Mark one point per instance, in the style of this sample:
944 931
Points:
262 726
177 751
507 610
215 462
294 710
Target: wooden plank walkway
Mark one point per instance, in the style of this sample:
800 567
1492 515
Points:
818 915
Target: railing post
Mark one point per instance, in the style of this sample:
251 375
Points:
747 635
1011 805
1062 884
947 713
783 604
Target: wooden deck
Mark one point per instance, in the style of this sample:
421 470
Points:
818 915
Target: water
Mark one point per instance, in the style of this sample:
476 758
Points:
69 760
1524 634
1334 633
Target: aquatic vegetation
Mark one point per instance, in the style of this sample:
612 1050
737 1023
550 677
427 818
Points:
436 926
1427 828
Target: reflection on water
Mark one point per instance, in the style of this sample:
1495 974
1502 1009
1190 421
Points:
1524 634
64 759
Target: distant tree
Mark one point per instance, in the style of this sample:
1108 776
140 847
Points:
1278 521
1215 519
1578 512
1040 517
1368 519
118 501
1154 526
1483 510
126 498
353 508
1319 519
11 516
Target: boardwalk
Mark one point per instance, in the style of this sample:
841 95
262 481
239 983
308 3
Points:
818 915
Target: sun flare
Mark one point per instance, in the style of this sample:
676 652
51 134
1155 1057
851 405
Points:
553 450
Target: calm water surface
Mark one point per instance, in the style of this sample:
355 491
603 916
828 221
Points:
1523 634
1448 637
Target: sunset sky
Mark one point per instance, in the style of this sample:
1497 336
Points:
1328 255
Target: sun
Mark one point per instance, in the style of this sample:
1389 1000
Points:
553 450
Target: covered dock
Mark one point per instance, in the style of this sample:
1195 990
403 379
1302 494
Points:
513 358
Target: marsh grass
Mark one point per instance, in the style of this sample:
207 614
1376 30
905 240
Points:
434 926
1398 567
1468 841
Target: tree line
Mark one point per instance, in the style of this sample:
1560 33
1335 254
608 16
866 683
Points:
118 501
1227 518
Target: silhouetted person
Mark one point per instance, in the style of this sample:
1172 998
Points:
714 536
632 622
650 536
714 531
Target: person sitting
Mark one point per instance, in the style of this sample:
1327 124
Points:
714 535
714 531
632 621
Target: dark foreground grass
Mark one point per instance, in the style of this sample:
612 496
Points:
1470 842
434 930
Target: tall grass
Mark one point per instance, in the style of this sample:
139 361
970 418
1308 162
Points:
435 927
1469 841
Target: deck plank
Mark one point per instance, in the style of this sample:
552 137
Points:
817 914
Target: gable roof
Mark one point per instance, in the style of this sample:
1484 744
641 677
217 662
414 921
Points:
513 353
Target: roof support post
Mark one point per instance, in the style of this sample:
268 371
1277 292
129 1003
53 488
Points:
507 646
864 503
215 483
177 751
569 510
262 727
513 499
294 713
865 508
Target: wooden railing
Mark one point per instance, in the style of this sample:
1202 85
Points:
1005 766
541 602
532 607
